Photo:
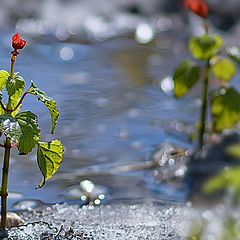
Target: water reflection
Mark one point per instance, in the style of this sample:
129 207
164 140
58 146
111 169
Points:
134 63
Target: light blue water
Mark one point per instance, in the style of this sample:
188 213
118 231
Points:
112 112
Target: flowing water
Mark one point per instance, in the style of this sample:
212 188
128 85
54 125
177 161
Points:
114 97
109 69
116 107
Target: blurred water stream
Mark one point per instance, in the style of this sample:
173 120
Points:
109 96
114 97
109 66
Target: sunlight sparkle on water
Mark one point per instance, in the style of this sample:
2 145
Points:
83 197
66 53
87 186
144 33
101 196
167 85
97 201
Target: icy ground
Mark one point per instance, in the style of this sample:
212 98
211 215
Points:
114 221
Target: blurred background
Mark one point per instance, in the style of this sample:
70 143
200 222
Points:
108 64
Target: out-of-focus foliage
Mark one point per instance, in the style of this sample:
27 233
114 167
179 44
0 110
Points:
195 233
231 230
234 150
234 53
228 178
185 76
225 108
205 46
223 68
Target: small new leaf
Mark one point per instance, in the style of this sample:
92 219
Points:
49 157
3 76
49 102
226 108
205 46
15 87
223 69
185 76
234 53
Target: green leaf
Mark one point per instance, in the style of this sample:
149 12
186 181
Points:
3 76
234 53
205 46
49 102
30 132
22 129
10 127
15 87
223 68
195 231
226 178
49 157
234 150
185 76
2 111
230 229
226 108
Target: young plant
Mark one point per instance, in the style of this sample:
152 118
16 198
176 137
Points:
20 129
211 59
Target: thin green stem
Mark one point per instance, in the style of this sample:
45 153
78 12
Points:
13 58
205 26
3 106
202 128
4 191
5 169
20 102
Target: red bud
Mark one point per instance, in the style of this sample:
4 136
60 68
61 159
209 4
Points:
199 7
17 43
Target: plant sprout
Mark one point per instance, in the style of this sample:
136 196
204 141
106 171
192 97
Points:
20 129
211 61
